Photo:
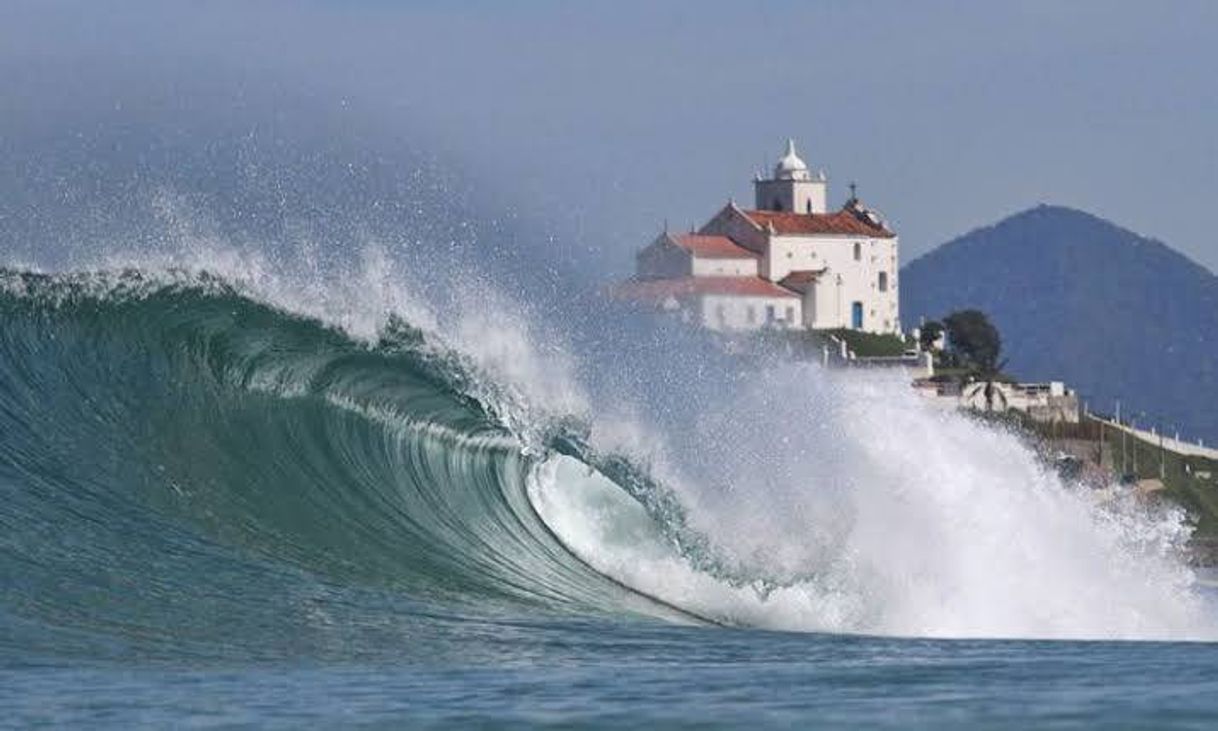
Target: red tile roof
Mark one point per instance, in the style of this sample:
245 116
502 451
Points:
712 247
844 222
799 280
657 290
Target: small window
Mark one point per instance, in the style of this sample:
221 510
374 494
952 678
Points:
720 315
777 204
752 315
883 281
769 314
809 207
790 314
858 251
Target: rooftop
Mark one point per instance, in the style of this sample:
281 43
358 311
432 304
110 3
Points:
799 280
712 247
848 222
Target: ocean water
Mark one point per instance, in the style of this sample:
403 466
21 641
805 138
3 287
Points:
601 675
227 501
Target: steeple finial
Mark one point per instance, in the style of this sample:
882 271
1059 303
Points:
791 167
854 192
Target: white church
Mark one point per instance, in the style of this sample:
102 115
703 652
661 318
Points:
787 263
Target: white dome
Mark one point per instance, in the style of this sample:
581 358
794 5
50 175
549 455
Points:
791 166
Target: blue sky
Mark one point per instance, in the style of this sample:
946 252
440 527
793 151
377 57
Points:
601 121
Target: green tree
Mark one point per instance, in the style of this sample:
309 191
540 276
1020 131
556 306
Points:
974 341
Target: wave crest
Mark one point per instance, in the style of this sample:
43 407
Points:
191 442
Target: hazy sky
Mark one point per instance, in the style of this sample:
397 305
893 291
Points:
601 121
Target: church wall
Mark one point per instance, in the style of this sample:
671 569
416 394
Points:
731 312
859 278
724 267
826 312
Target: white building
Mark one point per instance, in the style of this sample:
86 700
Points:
1044 402
788 263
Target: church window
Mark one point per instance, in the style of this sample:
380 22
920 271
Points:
777 204
858 251
809 207
883 283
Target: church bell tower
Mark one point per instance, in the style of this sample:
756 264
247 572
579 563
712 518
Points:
793 188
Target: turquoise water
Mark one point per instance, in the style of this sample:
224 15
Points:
217 512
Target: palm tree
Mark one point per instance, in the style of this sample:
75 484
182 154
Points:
983 377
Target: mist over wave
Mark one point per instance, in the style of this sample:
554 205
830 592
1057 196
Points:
206 421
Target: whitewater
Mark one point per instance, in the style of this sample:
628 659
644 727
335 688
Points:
242 475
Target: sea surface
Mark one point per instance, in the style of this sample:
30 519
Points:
217 510
564 673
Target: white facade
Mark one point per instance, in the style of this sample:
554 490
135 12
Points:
869 279
736 313
721 302
839 268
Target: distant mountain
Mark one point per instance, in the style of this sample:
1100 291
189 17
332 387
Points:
1079 299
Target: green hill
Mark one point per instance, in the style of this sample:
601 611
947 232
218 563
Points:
1115 314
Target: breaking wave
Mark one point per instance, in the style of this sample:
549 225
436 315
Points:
186 462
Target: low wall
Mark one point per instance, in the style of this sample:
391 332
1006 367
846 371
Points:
1178 446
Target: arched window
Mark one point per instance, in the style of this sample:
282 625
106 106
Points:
883 283
777 204
809 207
858 251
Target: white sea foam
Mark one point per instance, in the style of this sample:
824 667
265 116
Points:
874 513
